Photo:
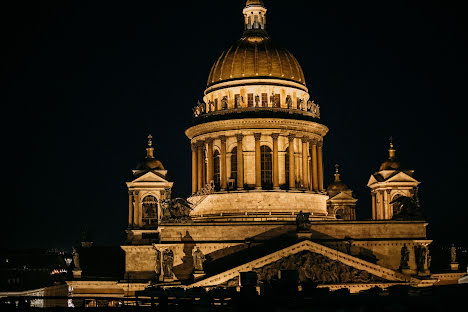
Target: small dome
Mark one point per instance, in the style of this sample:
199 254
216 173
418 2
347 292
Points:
391 163
337 186
150 164
256 56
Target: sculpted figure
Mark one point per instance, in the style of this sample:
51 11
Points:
238 100
453 254
224 102
157 266
211 106
314 109
257 100
300 104
302 221
168 263
198 259
406 208
76 259
404 257
420 253
289 101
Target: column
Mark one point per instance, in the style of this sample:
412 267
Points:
320 165
385 204
275 161
130 209
223 166
314 165
209 163
194 168
136 209
199 165
292 169
305 168
240 162
374 214
258 164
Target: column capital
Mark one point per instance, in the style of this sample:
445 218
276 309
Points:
193 145
209 140
275 136
313 141
222 138
291 137
305 138
239 137
320 144
257 136
199 143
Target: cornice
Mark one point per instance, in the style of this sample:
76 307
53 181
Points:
257 123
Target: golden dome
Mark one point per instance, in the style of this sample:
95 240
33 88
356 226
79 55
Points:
256 56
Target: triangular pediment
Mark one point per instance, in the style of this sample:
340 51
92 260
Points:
344 196
402 177
392 176
150 177
314 262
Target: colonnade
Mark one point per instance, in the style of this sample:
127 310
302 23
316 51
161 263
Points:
309 178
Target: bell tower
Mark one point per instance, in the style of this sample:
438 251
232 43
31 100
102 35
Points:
147 188
389 183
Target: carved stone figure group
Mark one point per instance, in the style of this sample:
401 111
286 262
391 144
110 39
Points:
316 268
175 210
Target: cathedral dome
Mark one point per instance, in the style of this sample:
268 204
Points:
255 55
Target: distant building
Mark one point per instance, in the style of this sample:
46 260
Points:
258 200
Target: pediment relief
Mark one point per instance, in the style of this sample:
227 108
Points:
310 257
315 268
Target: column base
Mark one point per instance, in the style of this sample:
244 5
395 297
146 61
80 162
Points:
258 187
454 266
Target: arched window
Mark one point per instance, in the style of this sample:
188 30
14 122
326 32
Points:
149 211
216 171
266 167
286 166
339 214
234 165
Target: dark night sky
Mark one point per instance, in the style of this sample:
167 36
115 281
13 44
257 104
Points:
84 82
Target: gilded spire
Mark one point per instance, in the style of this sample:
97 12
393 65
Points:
150 148
391 151
337 173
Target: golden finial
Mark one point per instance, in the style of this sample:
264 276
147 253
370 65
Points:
337 173
150 148
391 151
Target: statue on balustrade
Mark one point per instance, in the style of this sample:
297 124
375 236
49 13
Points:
302 221
404 259
224 102
289 101
168 263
